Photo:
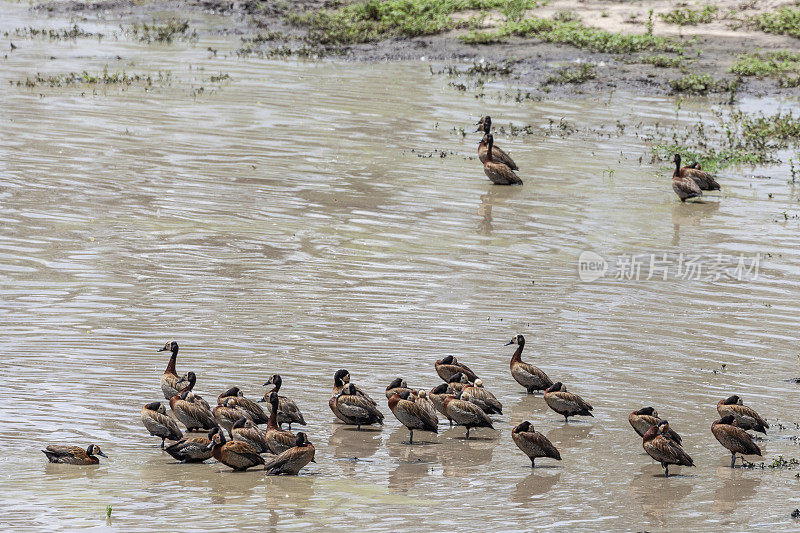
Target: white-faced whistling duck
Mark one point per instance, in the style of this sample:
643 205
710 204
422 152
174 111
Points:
658 445
450 366
192 415
527 375
645 418
73 455
159 423
396 386
278 440
481 397
423 401
565 403
190 450
170 378
533 443
684 186
466 414
485 125
498 173
734 438
236 399
458 381
342 378
746 417
354 409
245 431
703 179
226 414
412 415
292 460
236 454
437 396
288 412
191 379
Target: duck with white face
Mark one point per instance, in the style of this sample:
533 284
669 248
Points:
529 376
288 412
355 409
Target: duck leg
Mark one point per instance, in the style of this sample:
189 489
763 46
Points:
411 438
358 427
467 437
162 442
566 418
733 459
533 463
666 470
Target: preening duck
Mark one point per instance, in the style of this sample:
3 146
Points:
449 366
746 417
73 455
499 173
288 412
412 415
190 450
533 443
645 418
485 125
226 415
245 431
397 385
278 440
342 378
170 378
466 414
703 179
565 403
527 375
437 396
658 445
355 409
458 382
734 438
159 423
191 414
190 379
292 460
236 454
481 397
236 399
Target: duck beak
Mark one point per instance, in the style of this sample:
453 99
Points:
509 342
180 381
164 349
267 383
262 400
101 454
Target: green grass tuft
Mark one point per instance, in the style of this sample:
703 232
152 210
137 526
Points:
701 84
690 17
575 75
785 21
772 64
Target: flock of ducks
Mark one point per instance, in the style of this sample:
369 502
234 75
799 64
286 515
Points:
231 433
687 182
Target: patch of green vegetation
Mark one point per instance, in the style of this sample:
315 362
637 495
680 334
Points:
575 74
785 21
773 64
780 462
104 78
701 84
690 17
222 76
482 37
664 61
163 32
485 68
514 10
373 20
65 34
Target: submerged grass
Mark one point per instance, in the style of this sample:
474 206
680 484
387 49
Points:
785 21
163 32
103 78
690 17
64 34
576 74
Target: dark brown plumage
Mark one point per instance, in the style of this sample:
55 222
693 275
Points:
170 378
236 454
658 445
533 443
73 455
245 431
497 172
703 179
191 450
645 418
236 399
159 423
278 440
190 379
412 415
292 460
288 412
226 415
466 414
565 403
355 409
527 375
499 156
477 394
734 438
746 417
192 415
684 186
449 366
437 396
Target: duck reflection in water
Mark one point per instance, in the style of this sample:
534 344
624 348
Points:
495 196
739 486
659 498
690 215
569 436
534 485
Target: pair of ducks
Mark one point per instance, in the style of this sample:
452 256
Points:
664 445
497 165
690 182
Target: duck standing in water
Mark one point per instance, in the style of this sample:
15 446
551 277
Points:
245 431
423 401
288 412
527 375
466 414
703 179
481 397
533 443
226 415
355 409
658 445
170 378
190 450
236 454
412 415
236 399
458 382
192 415
437 396
292 460
645 418
278 440
565 403
498 173
746 417
191 379
684 186
73 455
159 423
342 378
734 438
397 386
449 366
485 125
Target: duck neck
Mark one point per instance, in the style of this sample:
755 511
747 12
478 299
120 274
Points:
277 386
171 365
489 151
273 416
677 167
517 357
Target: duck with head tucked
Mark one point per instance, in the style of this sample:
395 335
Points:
734 438
481 397
397 386
703 179
159 423
466 414
170 378
437 396
660 446
192 415
227 414
355 409
497 172
235 398
527 375
190 450
644 419
236 454
245 431
288 412
412 415
73 455
533 443
746 417
449 366
291 461
565 403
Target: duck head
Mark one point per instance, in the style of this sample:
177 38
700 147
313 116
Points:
649 411
440 389
301 439
556 387
729 419
732 400
155 406
482 123
233 391
517 339
274 380
456 378
341 377
449 360
94 449
171 346
523 427
397 382
190 377
241 423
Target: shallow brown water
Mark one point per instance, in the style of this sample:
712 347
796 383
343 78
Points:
283 224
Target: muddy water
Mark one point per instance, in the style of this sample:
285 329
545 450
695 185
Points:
284 222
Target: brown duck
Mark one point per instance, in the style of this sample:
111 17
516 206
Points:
288 412
485 125
245 431
449 366
746 417
226 415
236 454
397 386
355 409
278 440
645 418
190 379
236 399
527 375
684 186
73 455
342 378
292 460
159 423
191 450
437 396
170 378
466 414
498 173
192 415
412 415
734 438
703 179
565 403
658 445
481 397
533 443
458 382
